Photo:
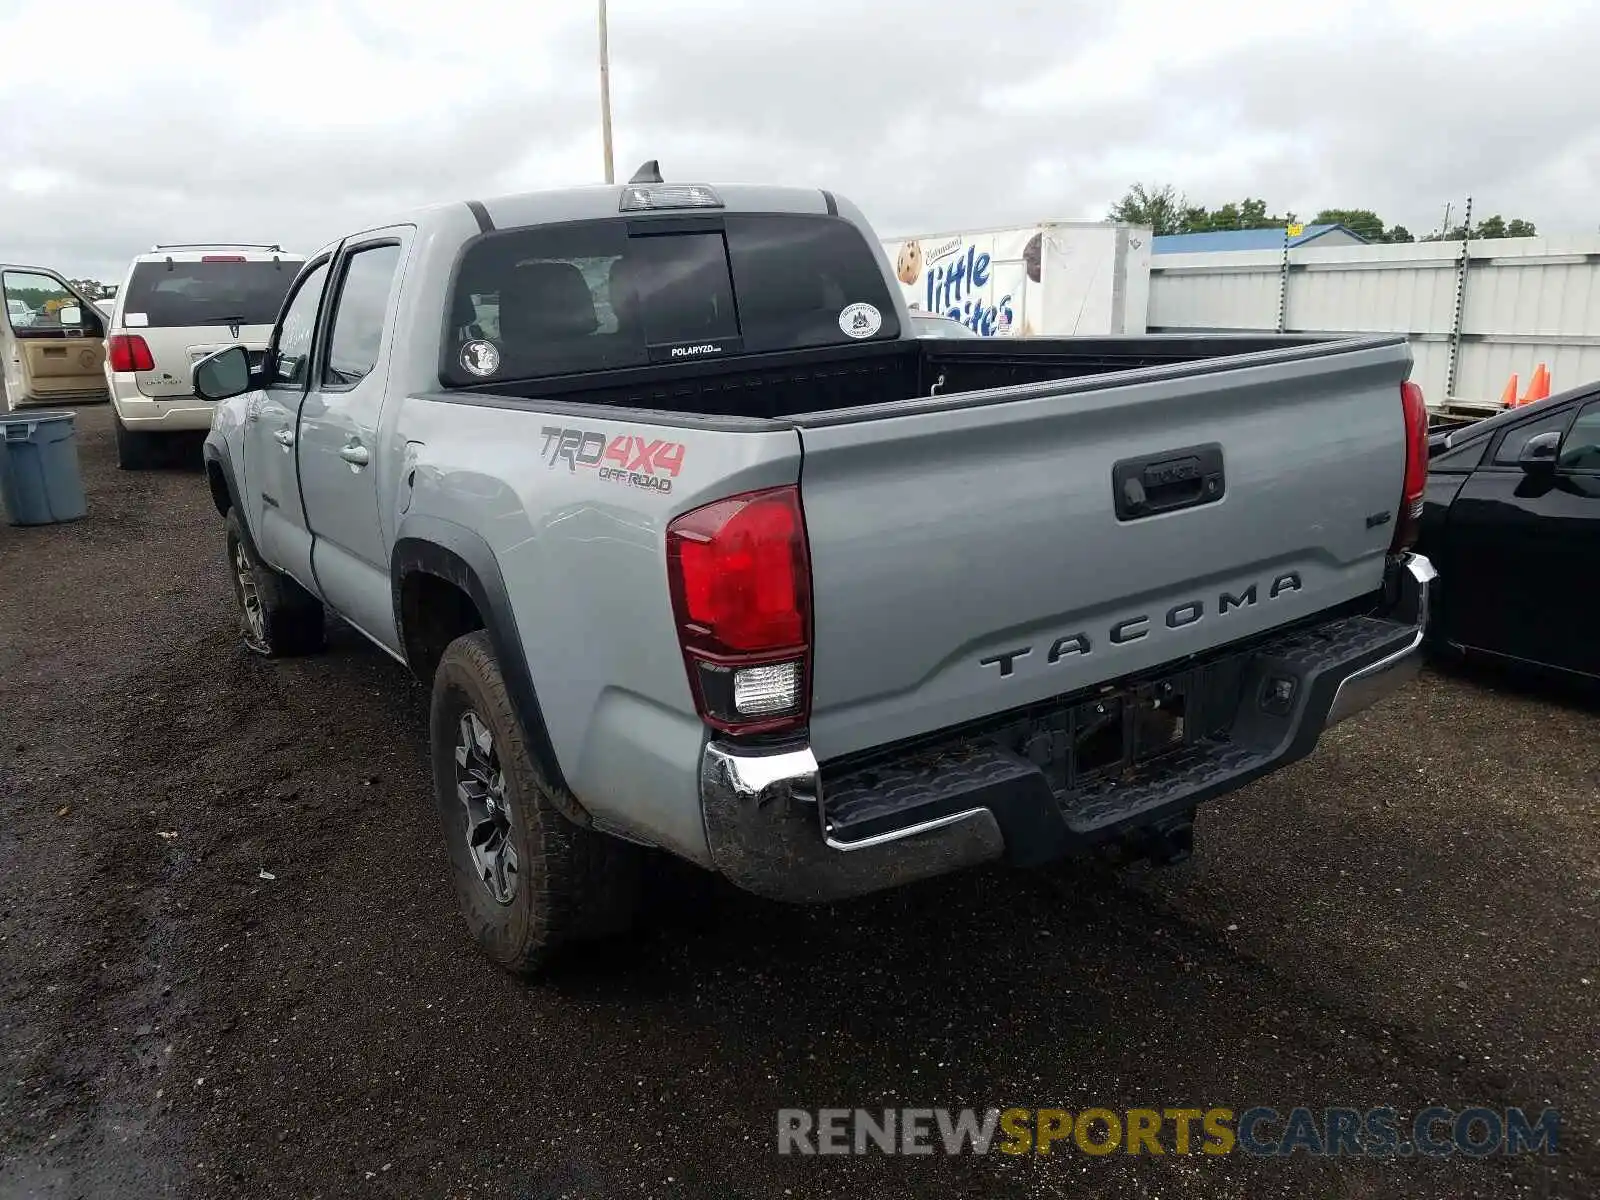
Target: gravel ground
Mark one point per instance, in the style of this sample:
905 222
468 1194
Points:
1408 917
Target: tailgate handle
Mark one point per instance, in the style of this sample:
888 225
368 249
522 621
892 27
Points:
1168 481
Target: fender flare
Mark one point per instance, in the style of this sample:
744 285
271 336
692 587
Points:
217 458
456 554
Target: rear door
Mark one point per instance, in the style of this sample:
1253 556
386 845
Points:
338 434
969 560
187 305
55 339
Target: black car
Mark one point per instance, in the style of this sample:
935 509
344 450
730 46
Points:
1511 519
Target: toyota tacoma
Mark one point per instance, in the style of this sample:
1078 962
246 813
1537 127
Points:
702 550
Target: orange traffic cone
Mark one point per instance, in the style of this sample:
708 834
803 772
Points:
1508 398
1538 386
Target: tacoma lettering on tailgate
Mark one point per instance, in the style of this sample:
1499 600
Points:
1131 629
628 459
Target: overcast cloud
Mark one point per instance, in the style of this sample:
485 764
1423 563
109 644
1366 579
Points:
188 120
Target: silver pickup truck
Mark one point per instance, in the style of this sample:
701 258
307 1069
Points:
703 551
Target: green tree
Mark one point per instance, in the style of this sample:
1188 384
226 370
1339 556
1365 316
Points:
1166 210
1158 206
1494 226
1249 213
1365 222
1362 221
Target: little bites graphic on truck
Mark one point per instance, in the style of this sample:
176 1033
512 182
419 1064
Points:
980 280
1053 279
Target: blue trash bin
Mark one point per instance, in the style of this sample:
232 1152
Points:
39 479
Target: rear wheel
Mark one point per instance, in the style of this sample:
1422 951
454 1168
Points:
135 451
277 616
528 879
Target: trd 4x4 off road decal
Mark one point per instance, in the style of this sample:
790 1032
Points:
628 459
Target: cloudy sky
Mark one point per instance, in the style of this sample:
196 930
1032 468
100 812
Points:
188 120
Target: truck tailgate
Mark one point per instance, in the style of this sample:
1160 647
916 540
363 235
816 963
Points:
968 555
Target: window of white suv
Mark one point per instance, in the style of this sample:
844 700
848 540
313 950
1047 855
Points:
216 290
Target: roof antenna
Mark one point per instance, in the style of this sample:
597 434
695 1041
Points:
649 173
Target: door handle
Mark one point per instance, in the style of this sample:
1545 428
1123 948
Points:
285 437
355 454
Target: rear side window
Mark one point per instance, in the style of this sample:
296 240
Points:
358 316
598 295
164 295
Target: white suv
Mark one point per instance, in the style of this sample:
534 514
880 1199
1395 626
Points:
178 304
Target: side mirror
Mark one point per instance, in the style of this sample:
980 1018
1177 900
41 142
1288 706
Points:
70 315
223 374
1538 454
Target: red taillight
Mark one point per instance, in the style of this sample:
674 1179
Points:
740 578
1416 482
222 258
129 352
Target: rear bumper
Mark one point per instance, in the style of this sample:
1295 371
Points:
1371 683
177 415
146 414
779 825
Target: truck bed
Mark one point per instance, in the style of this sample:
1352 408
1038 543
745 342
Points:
966 503
773 387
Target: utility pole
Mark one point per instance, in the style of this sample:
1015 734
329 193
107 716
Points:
605 94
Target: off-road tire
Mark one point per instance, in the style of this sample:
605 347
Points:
572 884
291 620
135 451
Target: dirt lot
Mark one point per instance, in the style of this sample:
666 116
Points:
1409 917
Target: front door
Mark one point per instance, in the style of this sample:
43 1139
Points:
277 517
340 468
55 340
1524 551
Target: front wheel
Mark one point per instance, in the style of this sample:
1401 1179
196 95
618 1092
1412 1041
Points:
277 616
528 879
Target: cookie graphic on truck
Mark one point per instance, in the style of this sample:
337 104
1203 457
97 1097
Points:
908 263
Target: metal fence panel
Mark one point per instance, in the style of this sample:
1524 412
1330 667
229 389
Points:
1525 301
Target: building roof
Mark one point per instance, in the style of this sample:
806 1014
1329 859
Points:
1240 239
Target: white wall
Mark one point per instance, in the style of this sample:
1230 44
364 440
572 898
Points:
1527 301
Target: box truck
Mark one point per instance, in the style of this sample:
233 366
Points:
1055 278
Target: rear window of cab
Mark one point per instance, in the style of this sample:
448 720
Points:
599 295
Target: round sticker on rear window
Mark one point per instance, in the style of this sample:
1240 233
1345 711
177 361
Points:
860 320
480 358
